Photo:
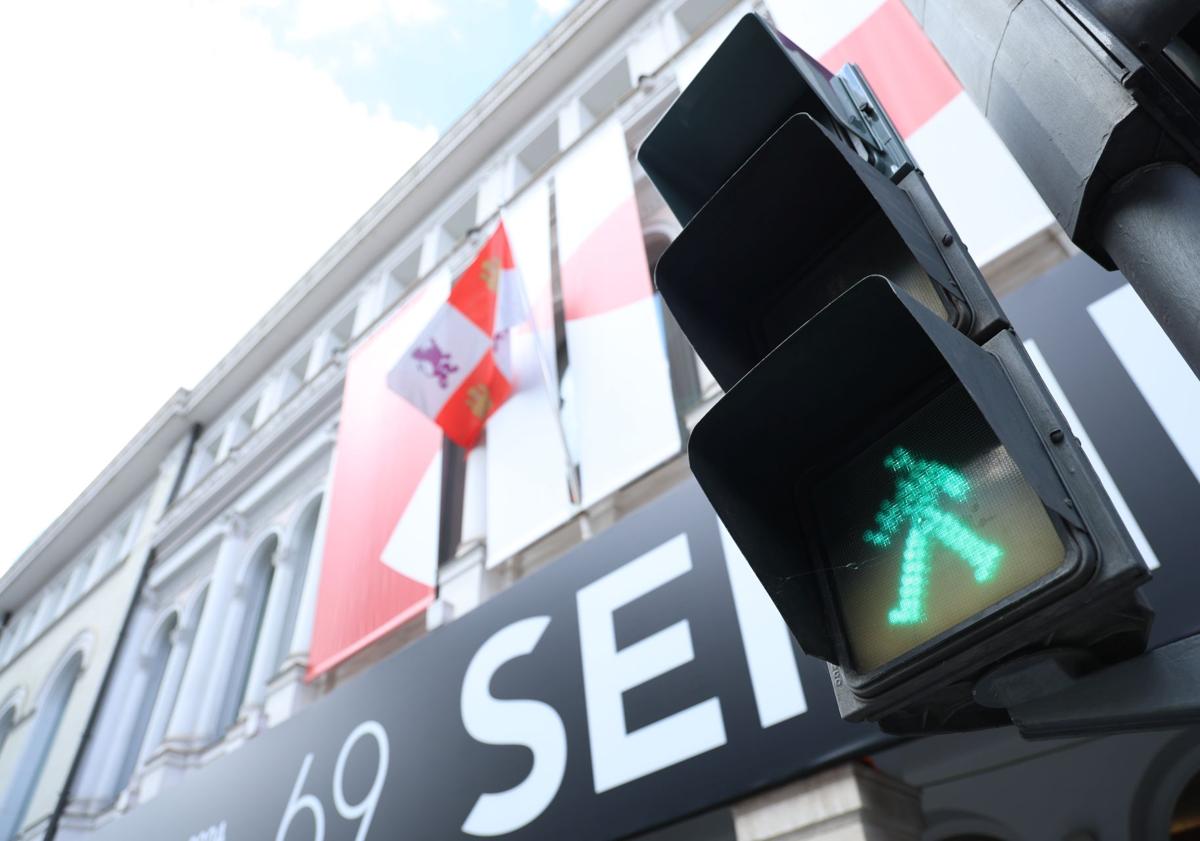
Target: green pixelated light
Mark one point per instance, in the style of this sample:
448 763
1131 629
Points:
920 485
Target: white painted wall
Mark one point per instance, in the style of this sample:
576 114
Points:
94 623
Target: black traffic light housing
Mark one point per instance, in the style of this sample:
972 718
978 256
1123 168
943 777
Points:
879 408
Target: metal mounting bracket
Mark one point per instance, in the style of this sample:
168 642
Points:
1155 691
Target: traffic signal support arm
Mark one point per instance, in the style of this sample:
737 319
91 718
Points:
1150 226
1099 102
1155 691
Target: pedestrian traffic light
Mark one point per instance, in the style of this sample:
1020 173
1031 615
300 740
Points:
885 456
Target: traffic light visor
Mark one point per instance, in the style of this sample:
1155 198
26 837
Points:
753 82
800 223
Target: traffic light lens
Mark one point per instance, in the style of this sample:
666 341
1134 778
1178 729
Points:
927 527
918 510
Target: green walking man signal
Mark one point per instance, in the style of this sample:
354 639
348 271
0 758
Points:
920 484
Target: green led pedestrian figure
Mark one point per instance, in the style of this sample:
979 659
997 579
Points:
920 484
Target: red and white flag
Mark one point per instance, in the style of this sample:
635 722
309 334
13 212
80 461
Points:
458 371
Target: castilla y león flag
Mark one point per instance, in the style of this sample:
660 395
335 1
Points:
457 372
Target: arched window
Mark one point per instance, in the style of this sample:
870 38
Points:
256 586
154 665
1166 803
181 654
44 728
301 552
1185 815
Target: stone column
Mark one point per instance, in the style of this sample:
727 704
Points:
495 188
225 653
434 247
653 47
460 579
106 754
122 735
269 645
370 305
164 704
474 515
572 122
200 691
307 609
270 401
848 803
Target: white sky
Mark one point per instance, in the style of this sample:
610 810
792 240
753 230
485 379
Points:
166 173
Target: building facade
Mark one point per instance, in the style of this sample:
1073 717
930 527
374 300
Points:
290 609
66 599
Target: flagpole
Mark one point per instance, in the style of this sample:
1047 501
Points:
550 378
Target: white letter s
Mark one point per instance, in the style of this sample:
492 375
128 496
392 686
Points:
533 724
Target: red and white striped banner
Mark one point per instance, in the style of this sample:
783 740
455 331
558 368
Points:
381 540
618 404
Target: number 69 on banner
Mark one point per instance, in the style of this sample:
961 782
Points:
363 811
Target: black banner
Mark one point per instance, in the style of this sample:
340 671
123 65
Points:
614 687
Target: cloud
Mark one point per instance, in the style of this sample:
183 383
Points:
362 54
321 18
168 174
554 8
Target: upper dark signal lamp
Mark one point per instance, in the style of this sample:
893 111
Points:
804 170
809 219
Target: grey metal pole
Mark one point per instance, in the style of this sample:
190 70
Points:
1150 227
1145 24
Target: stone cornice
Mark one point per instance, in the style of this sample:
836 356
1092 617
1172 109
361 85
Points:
305 412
